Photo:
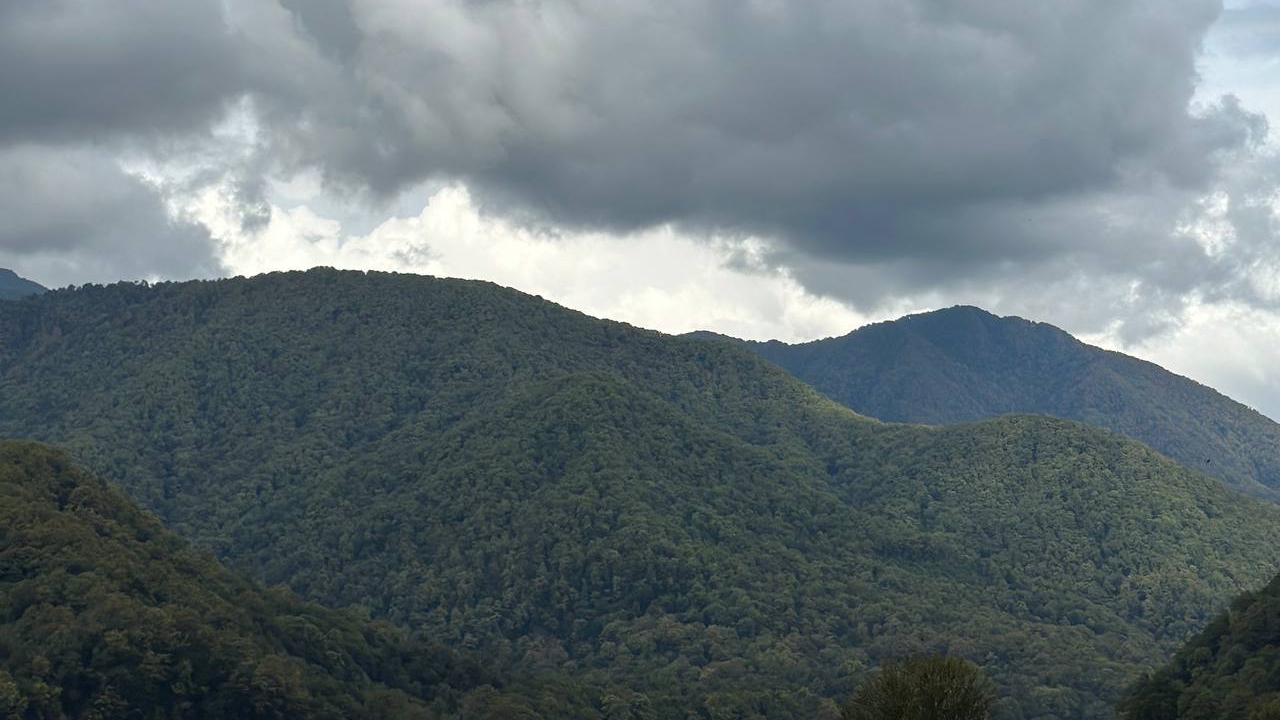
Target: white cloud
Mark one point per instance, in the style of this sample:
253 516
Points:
1231 347
663 280
657 278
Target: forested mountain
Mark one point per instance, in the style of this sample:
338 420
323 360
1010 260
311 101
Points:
964 364
104 613
674 523
1231 671
12 286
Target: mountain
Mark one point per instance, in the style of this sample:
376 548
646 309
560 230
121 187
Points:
13 287
675 524
106 614
964 364
1228 672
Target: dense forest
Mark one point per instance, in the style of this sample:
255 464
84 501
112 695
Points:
104 613
964 364
676 525
1230 671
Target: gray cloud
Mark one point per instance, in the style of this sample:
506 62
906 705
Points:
73 71
84 84
891 145
939 145
72 216
805 118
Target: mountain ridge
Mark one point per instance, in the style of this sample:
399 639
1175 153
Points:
668 520
964 363
14 286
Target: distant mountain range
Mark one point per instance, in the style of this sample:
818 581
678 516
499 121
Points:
677 525
963 364
13 287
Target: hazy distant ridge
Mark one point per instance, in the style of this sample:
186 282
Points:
12 286
964 363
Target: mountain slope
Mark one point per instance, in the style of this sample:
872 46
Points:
107 614
674 522
964 364
1228 672
13 287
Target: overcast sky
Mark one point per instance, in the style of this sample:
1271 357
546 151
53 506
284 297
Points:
764 168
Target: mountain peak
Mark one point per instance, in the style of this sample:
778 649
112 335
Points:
14 286
964 363
968 316
955 311
430 450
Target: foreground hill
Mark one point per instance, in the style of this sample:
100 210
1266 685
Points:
1228 672
13 287
964 364
106 614
674 522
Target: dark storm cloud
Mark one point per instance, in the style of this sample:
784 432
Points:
831 122
330 24
928 143
76 70
936 143
83 83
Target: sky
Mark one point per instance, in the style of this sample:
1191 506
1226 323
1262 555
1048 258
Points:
761 168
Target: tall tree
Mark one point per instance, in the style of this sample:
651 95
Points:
934 687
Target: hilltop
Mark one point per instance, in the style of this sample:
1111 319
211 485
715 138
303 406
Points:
13 287
676 524
963 364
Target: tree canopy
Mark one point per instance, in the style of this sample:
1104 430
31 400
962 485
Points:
1230 671
106 614
676 525
932 687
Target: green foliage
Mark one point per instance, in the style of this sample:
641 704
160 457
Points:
106 614
676 525
963 364
934 687
1230 671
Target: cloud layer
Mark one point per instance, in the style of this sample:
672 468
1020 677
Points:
934 145
926 145
1061 160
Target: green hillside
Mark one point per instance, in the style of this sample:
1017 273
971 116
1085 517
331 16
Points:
964 364
104 613
674 523
12 286
1231 671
